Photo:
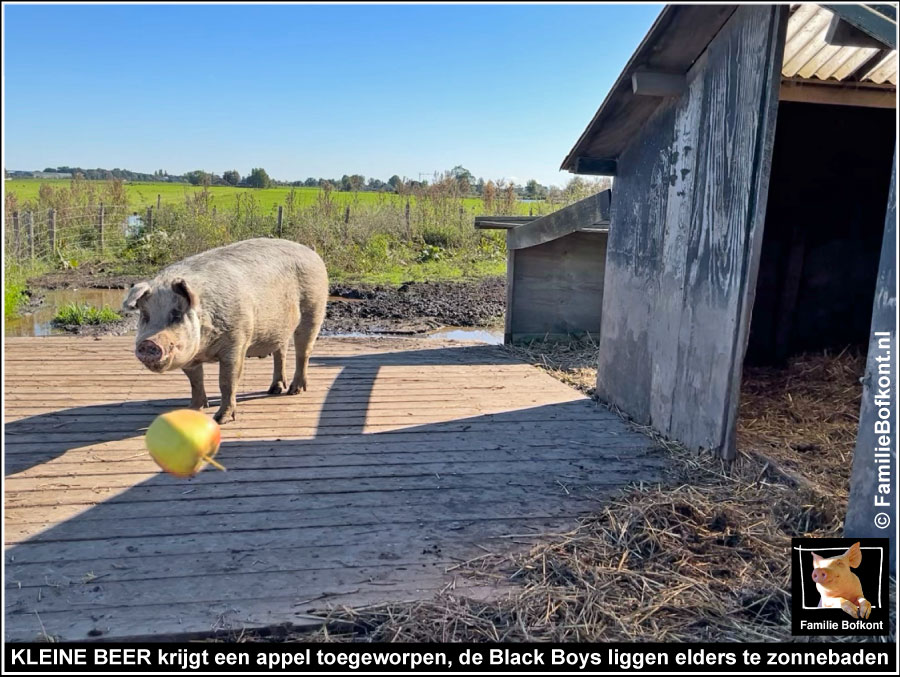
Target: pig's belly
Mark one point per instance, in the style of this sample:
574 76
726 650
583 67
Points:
262 349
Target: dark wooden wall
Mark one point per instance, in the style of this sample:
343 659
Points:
556 288
685 235
828 192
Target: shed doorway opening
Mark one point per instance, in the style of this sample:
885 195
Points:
828 194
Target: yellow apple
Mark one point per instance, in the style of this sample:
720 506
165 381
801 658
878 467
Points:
182 441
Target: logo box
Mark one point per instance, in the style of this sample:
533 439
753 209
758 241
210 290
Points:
808 618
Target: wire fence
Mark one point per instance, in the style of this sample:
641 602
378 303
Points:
46 233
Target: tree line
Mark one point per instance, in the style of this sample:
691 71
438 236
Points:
259 178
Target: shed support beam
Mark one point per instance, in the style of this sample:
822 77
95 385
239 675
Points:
842 34
595 166
658 84
878 21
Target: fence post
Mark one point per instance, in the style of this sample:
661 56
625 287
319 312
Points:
149 223
51 227
347 214
16 233
29 225
100 228
408 231
158 200
280 220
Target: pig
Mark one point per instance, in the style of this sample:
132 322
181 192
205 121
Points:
242 300
838 586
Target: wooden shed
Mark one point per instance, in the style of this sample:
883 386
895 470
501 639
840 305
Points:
754 210
554 269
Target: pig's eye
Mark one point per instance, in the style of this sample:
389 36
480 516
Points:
175 316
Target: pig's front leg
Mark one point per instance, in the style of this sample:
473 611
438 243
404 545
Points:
864 607
198 390
231 365
849 607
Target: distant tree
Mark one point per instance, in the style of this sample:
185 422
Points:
394 182
258 178
311 182
357 182
463 177
198 177
534 190
232 177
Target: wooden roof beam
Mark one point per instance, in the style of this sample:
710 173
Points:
590 211
877 21
595 166
649 83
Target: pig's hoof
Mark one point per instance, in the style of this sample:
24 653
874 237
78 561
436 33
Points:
296 387
275 388
222 417
850 608
864 608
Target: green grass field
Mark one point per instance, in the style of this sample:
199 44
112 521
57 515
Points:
143 194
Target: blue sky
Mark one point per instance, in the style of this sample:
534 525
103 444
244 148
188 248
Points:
310 90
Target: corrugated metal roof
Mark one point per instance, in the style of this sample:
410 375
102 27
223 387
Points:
807 55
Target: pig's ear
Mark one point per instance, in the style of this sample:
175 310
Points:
853 555
816 559
182 288
135 294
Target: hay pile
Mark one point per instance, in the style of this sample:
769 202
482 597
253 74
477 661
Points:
704 557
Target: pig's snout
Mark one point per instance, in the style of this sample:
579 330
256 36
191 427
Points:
820 576
149 352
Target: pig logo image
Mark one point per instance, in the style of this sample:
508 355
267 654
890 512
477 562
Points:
838 586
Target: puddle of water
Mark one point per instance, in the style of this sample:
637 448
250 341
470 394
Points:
493 336
38 322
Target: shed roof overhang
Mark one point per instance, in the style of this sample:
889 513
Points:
678 37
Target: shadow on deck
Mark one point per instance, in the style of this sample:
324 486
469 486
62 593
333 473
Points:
395 466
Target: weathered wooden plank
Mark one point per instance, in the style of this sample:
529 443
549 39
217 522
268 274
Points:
872 506
685 224
587 212
812 92
557 287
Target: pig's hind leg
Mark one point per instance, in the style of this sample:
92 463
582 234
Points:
279 383
311 318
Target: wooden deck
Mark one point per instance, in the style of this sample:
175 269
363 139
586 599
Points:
404 458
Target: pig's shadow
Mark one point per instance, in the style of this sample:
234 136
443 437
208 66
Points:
37 439
40 438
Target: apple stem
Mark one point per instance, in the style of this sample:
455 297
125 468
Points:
213 463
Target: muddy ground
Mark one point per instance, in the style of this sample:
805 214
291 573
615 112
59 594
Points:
410 308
